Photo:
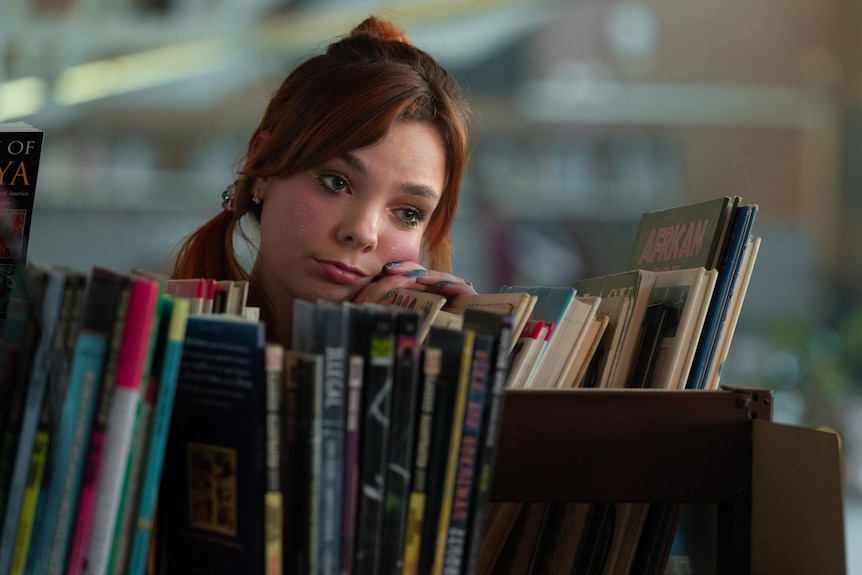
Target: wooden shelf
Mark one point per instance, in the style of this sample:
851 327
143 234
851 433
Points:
636 446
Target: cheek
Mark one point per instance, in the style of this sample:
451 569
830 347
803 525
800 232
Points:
303 213
404 249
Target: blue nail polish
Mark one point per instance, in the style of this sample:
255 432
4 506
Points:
415 273
392 265
444 283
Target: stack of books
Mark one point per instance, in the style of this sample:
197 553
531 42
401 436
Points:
148 423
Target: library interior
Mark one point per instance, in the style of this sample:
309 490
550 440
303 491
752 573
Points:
586 115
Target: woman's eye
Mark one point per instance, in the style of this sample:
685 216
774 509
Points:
411 216
334 182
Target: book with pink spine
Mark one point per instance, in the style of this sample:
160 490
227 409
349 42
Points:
108 455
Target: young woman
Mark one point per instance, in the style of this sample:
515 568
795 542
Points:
349 185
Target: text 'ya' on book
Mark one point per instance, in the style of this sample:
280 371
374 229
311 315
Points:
20 156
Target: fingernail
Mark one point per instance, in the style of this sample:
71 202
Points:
390 293
444 283
415 273
392 265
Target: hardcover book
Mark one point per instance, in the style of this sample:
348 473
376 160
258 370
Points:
213 485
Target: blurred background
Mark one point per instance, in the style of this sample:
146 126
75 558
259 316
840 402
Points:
587 113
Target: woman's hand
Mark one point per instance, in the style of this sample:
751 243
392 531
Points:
413 276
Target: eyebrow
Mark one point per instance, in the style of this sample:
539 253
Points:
419 190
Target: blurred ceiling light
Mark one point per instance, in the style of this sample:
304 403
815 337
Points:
114 76
21 97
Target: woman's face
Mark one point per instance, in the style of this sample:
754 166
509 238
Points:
327 232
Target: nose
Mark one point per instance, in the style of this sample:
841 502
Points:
359 226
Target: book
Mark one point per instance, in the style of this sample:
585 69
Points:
501 328
214 464
456 349
552 306
682 293
193 289
166 364
121 422
378 324
352 432
453 536
733 311
525 351
20 340
332 342
679 237
428 302
502 519
306 371
431 362
651 329
103 313
20 158
41 472
470 351
568 337
130 493
274 369
636 284
46 288
290 454
582 356
519 305
716 315
402 431
95 454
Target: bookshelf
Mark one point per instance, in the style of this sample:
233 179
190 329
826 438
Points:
718 447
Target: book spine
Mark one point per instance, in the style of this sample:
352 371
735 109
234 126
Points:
402 429
452 344
130 494
376 413
490 433
355 366
273 495
170 365
727 274
89 489
71 443
120 426
38 381
131 366
38 459
448 493
290 478
418 488
456 533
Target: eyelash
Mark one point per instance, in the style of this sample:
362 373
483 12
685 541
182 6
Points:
416 217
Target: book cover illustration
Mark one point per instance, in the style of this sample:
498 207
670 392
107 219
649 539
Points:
20 155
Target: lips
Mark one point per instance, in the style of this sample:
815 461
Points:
341 274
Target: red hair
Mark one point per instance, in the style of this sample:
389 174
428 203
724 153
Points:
344 99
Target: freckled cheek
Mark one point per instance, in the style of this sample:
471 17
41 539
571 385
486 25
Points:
403 249
304 213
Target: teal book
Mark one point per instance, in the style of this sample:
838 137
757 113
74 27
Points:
166 366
